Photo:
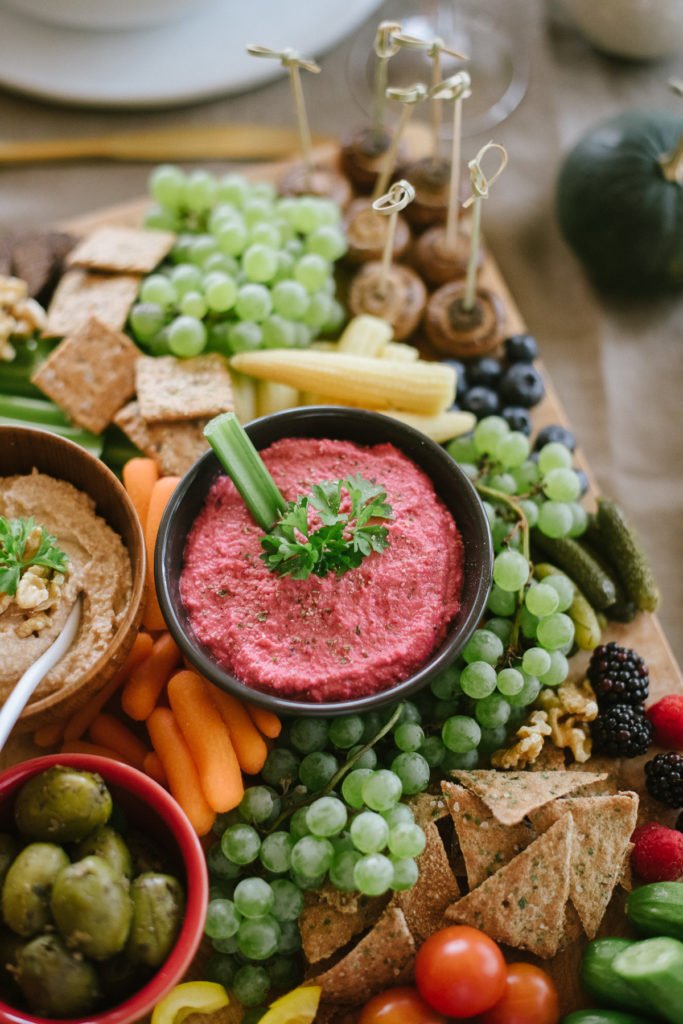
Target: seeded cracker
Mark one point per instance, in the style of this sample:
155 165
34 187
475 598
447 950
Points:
485 844
174 446
523 904
122 250
325 929
603 826
436 888
171 389
81 295
90 374
513 795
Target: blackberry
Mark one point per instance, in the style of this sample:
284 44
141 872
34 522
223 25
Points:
664 779
622 731
618 675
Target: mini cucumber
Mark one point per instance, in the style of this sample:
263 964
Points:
587 629
657 909
600 980
591 579
654 968
622 547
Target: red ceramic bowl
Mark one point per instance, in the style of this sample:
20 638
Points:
149 807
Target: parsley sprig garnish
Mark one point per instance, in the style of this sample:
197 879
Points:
14 558
343 540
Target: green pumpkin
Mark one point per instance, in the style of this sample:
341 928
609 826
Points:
620 203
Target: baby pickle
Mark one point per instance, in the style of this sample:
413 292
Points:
62 805
28 886
56 982
104 842
157 911
92 908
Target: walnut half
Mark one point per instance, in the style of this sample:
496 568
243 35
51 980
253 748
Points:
528 745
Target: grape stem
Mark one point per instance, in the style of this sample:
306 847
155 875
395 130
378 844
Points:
344 770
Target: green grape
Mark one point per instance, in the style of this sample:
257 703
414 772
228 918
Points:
326 816
258 938
409 736
227 946
369 832
167 186
220 292
335 318
406 873
185 278
200 191
558 671
454 761
341 872
373 874
311 271
368 759
327 241
446 685
555 631
541 600
529 623
158 218
222 919
352 786
277 332
303 335
294 247
579 520
193 304
536 661
318 311
527 476
346 731
554 519
530 510
463 449
564 588
446 709
158 345
510 681
372 723
219 864
180 253
298 823
470 471
158 290
288 901
528 693
492 740
290 299
433 751
253 302
255 210
461 734
223 264
233 189
512 450
253 897
488 433
275 852
309 734
406 840
561 485
490 512
502 628
409 713
382 789
504 482
478 679
268 234
259 803
500 533
305 214
263 190
281 767
399 815
146 320
482 646
554 456
510 570
260 263
231 237
317 769
413 771
221 969
225 819
290 938
222 213
201 249
492 712
501 602
186 336
251 985
245 336
241 844
311 856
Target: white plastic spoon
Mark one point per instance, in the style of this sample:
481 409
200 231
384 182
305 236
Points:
22 692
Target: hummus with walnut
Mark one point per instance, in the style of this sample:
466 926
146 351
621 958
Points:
99 568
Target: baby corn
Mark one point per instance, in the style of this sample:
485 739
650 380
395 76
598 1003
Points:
399 350
442 427
244 397
365 335
272 397
421 387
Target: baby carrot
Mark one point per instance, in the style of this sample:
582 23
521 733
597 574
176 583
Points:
248 742
48 735
79 724
153 767
81 747
269 724
145 683
208 739
181 772
108 731
139 477
161 492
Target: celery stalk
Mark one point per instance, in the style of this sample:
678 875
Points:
33 410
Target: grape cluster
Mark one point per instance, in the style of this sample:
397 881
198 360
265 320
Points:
249 270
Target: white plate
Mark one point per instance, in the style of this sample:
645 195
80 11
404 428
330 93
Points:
185 62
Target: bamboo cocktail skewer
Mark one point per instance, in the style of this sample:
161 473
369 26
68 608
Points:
396 199
409 98
480 191
385 47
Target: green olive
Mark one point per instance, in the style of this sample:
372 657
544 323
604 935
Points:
157 912
104 842
28 886
56 982
9 848
62 805
92 908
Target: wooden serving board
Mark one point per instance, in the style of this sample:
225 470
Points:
644 633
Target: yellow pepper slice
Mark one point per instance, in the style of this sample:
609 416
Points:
298 1007
190 997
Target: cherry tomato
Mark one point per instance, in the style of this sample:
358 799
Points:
399 1006
530 997
460 971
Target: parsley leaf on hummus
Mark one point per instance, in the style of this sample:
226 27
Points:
23 544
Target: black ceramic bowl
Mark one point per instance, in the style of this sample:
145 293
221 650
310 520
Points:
342 424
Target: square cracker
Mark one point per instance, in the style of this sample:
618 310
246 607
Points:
485 844
80 295
171 389
325 929
174 446
513 795
122 250
436 888
603 826
90 374
524 903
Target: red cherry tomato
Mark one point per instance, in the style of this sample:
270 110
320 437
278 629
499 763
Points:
460 971
399 1006
530 997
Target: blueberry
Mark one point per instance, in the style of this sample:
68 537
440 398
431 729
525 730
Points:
521 348
481 401
460 373
521 384
517 419
484 373
583 480
555 432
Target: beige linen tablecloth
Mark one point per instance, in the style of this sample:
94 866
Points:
619 370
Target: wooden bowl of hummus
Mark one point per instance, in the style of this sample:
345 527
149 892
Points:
336 644
79 503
